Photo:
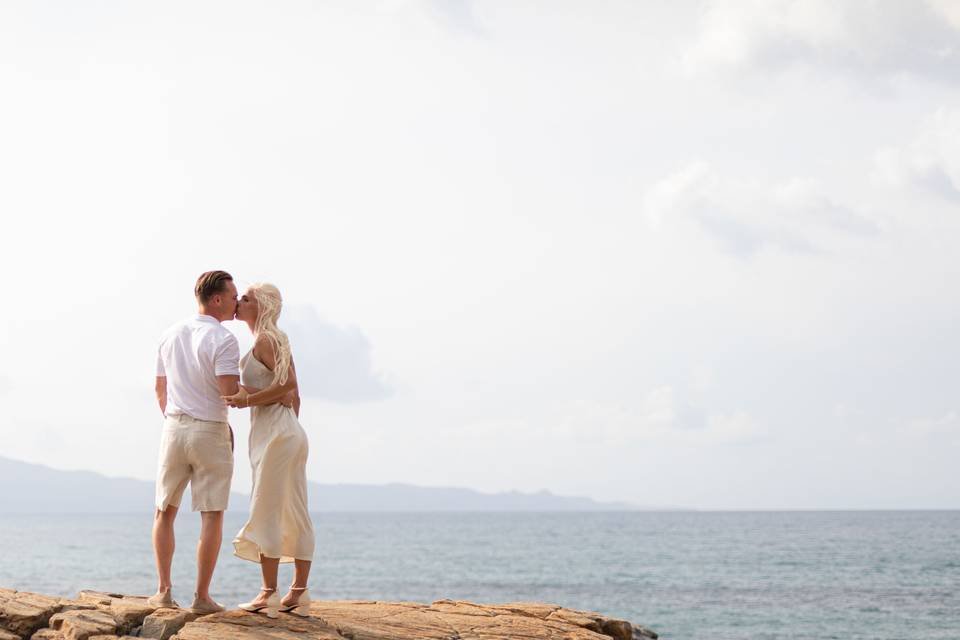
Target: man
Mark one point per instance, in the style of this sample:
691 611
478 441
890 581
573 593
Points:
198 363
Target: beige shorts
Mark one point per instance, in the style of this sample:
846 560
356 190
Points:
198 452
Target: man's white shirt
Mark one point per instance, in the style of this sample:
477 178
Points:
192 354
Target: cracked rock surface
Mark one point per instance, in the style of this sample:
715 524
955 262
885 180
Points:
441 620
103 616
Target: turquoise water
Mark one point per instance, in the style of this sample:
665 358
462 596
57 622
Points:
890 575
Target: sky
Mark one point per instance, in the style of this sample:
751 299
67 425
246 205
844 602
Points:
694 254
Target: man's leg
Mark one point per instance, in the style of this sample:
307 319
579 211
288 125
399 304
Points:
173 474
211 534
212 464
163 545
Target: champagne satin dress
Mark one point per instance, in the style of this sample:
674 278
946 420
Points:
279 524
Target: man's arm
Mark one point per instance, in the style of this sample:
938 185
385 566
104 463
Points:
161 385
226 365
229 385
161 389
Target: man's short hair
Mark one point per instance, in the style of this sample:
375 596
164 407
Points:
211 283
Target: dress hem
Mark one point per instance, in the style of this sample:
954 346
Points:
245 544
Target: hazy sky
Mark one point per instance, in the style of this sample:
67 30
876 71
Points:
697 254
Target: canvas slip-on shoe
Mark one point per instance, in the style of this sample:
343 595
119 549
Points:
162 600
204 607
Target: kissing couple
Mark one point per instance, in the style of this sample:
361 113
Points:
199 374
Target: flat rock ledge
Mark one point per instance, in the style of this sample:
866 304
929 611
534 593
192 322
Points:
95 615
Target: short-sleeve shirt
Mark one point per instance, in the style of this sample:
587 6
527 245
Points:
192 354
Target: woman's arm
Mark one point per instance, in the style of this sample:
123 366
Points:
263 351
272 394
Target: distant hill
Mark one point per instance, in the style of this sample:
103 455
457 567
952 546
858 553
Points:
405 497
32 488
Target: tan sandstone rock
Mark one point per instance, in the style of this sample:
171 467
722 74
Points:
240 625
442 620
128 611
50 634
22 612
67 604
106 616
82 623
163 623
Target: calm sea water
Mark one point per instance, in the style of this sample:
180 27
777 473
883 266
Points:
893 575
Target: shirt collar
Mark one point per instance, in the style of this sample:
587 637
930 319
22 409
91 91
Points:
202 317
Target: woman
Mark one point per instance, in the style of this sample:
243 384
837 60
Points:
279 528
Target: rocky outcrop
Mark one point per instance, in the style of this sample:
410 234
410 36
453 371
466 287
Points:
31 615
23 613
103 616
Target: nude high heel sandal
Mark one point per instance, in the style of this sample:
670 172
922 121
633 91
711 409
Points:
272 605
302 607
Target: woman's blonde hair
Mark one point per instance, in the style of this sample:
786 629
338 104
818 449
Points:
269 304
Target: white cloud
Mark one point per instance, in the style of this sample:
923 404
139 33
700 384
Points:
871 39
947 424
729 428
746 216
458 16
949 10
930 161
333 362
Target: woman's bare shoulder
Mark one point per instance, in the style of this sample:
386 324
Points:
264 351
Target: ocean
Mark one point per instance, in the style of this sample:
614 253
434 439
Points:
687 575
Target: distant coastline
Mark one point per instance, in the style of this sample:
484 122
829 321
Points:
41 489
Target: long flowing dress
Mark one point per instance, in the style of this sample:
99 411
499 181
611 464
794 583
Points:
279 524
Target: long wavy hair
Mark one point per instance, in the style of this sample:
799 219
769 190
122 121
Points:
269 304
